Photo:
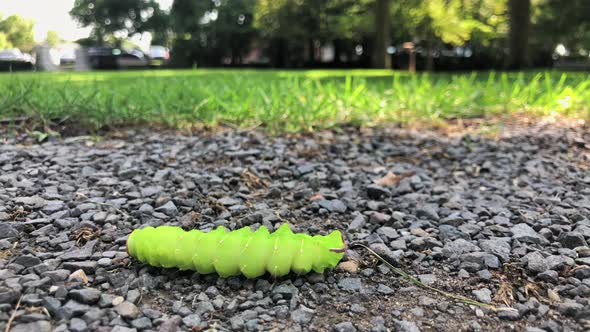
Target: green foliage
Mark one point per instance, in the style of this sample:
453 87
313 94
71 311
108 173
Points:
39 135
429 22
493 15
16 31
295 28
217 32
4 42
322 20
449 24
285 101
107 17
562 22
289 19
52 39
209 31
454 22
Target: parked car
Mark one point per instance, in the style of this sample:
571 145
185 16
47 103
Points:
159 56
14 59
132 59
567 59
102 58
116 58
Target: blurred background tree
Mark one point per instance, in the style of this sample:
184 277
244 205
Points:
52 38
4 43
212 32
448 34
16 31
518 37
118 19
295 30
436 24
561 22
381 58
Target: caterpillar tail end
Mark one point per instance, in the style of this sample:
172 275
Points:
129 244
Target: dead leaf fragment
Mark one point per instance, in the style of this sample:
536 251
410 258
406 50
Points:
316 197
84 234
78 275
504 293
531 289
553 296
253 181
8 252
349 266
390 179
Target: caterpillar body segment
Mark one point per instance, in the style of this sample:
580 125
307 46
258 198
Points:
242 251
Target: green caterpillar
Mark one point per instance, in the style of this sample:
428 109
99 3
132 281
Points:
238 252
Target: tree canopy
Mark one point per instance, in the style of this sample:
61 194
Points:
291 32
118 18
16 31
52 38
4 43
211 31
565 22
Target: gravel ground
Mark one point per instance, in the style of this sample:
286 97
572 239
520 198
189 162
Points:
503 219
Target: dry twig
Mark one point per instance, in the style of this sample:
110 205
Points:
253 181
420 284
13 315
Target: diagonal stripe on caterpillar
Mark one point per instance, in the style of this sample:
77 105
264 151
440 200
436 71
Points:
237 252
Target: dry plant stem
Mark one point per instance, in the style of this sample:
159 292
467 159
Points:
13 315
418 283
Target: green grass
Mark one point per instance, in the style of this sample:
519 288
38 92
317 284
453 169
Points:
285 100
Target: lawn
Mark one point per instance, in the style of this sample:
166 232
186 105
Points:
285 100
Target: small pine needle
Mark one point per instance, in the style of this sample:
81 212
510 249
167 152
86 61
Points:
419 283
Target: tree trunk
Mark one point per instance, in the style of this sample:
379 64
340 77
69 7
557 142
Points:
311 51
338 48
99 37
520 21
279 52
380 57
